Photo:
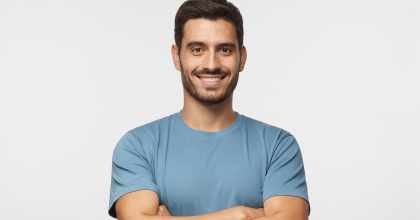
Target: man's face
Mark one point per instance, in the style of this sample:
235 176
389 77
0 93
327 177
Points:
209 60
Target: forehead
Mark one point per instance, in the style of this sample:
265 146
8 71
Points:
209 31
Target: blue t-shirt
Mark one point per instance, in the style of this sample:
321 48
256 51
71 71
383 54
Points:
197 172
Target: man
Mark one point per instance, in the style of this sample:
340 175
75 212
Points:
208 161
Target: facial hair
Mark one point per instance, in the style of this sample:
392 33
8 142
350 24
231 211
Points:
204 99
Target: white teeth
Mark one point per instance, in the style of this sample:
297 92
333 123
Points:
211 79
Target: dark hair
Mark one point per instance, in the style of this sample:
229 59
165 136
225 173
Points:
208 9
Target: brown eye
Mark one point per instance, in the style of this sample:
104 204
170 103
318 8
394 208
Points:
225 51
197 50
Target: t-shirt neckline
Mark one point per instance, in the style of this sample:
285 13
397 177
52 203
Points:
207 134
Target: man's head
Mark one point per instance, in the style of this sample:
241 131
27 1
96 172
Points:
208 50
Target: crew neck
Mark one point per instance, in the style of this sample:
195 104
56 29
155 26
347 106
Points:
207 134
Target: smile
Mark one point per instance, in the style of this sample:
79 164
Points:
211 79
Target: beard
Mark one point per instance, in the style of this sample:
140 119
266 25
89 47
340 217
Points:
207 99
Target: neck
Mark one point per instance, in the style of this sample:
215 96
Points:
207 118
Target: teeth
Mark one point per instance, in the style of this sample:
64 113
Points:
211 79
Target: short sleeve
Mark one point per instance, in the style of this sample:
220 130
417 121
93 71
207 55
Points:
285 173
131 170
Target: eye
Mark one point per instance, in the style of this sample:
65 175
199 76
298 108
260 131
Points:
225 51
197 50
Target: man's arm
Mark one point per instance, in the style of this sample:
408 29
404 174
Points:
285 208
144 204
276 208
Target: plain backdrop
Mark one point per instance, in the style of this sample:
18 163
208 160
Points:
341 76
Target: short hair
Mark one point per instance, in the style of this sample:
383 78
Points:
208 9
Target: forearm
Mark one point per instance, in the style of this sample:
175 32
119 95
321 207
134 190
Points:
233 213
226 214
144 205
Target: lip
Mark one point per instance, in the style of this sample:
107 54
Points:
199 77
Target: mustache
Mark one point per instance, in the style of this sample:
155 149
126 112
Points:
214 72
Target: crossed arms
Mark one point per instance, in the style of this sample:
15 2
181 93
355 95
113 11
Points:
144 205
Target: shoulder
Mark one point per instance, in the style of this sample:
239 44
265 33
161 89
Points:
266 130
152 129
148 135
275 139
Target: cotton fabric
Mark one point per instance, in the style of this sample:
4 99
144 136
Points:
197 172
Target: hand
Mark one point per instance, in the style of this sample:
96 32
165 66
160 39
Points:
163 211
247 213
254 213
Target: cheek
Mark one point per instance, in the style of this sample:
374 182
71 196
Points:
190 65
232 66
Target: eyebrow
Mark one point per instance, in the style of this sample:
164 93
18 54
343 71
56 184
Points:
200 43
227 45
195 43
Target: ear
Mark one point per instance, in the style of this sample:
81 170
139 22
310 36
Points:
243 59
175 57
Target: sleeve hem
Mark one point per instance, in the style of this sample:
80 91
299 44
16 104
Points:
288 193
111 208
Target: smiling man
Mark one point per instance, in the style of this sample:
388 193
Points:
208 161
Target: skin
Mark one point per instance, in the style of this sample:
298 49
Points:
209 48
277 207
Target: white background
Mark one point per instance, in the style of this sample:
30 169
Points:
342 76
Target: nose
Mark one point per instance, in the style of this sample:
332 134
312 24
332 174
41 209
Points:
211 61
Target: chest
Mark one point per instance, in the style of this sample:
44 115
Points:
208 176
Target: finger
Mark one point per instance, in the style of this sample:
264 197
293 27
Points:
165 211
